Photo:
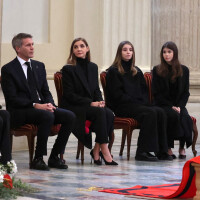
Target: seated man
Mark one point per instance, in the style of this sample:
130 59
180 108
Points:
29 101
5 149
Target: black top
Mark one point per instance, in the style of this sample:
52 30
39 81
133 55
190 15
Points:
168 93
83 64
125 88
173 85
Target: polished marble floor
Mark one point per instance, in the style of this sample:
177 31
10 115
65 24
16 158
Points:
84 181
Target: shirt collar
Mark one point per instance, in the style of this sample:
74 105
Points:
22 61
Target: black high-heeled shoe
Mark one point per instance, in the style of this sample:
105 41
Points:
106 162
97 162
182 156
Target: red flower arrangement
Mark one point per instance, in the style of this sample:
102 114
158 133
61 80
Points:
7 181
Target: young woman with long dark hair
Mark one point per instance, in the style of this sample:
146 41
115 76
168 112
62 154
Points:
170 86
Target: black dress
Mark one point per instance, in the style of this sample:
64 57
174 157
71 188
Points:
127 96
168 94
80 88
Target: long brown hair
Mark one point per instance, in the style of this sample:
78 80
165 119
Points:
162 69
72 58
118 58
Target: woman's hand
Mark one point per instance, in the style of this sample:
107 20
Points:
177 109
95 104
100 104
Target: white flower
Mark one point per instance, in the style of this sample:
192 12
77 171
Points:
11 167
1 177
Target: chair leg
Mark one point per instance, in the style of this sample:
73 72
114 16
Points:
82 154
129 137
111 141
195 131
122 142
78 150
31 144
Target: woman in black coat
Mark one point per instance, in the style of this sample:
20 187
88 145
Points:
170 86
127 96
5 148
81 94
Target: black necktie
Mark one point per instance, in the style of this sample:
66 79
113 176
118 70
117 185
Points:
32 84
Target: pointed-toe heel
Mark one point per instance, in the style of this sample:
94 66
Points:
106 162
97 162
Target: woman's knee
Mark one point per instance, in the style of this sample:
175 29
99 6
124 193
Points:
161 114
151 113
173 116
109 114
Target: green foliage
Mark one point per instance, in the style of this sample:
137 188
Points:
19 189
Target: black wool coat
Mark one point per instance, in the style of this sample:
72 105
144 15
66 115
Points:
78 93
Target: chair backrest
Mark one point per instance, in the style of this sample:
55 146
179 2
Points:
147 76
103 83
58 85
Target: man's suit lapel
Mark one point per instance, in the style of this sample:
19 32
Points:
35 73
35 69
20 73
82 77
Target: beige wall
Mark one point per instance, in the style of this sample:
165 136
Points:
53 53
105 23
178 21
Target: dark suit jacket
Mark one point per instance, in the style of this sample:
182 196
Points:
161 90
78 93
16 91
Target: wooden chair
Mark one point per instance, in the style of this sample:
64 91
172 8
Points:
126 124
30 131
59 90
148 78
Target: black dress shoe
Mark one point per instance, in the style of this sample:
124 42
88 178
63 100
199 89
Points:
173 156
39 164
182 156
144 156
164 156
56 162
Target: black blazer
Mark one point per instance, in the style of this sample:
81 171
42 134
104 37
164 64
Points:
161 90
78 93
15 87
122 89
